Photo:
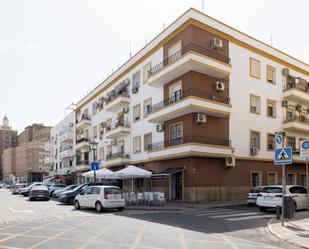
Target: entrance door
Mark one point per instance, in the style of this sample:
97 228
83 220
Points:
176 134
176 186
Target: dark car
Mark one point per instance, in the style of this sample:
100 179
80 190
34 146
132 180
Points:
39 193
69 196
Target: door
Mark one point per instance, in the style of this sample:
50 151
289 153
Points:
85 196
95 195
175 92
176 186
299 196
174 52
176 134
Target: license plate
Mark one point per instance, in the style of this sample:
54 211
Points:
269 197
40 195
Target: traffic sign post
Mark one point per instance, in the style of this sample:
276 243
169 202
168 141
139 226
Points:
304 153
94 166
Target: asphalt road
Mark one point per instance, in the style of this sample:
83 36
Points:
25 224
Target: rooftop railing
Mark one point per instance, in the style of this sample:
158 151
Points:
301 119
116 155
190 47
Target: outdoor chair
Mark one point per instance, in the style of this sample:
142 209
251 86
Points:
140 198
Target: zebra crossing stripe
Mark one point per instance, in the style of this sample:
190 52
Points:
219 213
250 217
234 215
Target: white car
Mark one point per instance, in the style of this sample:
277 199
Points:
100 198
253 194
271 197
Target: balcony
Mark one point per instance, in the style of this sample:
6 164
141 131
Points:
191 57
298 124
297 92
82 144
65 170
191 145
190 101
68 153
82 165
83 123
66 136
119 129
118 158
117 101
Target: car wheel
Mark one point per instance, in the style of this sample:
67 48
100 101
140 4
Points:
71 200
295 206
120 209
51 193
98 206
30 199
76 205
263 209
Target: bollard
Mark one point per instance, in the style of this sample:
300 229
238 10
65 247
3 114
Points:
278 212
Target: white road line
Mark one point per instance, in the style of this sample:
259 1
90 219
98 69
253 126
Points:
221 213
205 211
250 217
234 215
20 211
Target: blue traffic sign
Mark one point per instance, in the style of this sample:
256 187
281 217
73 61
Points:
279 140
94 166
283 156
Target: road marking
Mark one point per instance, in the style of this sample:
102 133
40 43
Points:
220 213
182 238
206 211
20 211
138 237
250 217
230 243
234 215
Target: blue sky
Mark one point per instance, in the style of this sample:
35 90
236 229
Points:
52 52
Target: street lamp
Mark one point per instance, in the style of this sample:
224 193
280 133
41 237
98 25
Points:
94 146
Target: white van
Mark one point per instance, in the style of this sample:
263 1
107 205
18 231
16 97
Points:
100 198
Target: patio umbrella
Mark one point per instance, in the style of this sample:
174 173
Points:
101 173
132 172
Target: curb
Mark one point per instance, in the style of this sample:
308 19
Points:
269 229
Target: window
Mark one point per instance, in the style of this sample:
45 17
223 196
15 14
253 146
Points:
147 106
109 149
147 141
176 134
120 147
174 52
175 91
136 112
108 124
137 144
255 179
271 108
146 69
298 190
271 74
255 139
272 178
254 68
101 153
255 104
96 190
291 179
94 108
95 132
303 180
271 142
291 142
136 79
101 130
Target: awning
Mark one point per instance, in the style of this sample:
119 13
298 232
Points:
167 172
131 172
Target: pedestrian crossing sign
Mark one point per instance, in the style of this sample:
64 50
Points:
283 156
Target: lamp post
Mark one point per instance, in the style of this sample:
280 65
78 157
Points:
94 146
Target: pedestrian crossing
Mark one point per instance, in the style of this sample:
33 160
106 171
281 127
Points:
228 214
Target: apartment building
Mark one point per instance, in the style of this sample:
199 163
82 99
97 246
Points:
8 138
61 148
199 106
26 161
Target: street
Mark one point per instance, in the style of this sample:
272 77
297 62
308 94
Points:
48 224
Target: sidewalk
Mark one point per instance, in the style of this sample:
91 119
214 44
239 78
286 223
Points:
295 231
182 206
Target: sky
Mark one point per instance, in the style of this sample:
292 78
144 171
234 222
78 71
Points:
52 52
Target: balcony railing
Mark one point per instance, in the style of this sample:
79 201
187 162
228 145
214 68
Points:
190 92
300 119
190 139
115 95
81 140
116 155
82 162
190 47
83 117
297 83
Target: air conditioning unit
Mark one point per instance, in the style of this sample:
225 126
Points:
127 82
285 71
135 90
114 142
159 127
254 151
200 118
230 161
216 43
103 124
71 124
219 86
298 107
125 110
284 103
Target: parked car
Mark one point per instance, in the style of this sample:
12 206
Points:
3 185
39 192
253 194
17 187
55 186
57 192
100 198
69 196
25 191
271 197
